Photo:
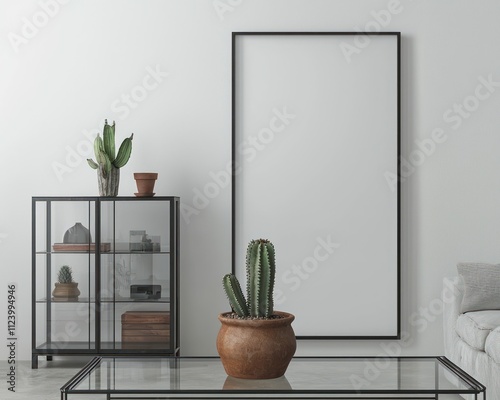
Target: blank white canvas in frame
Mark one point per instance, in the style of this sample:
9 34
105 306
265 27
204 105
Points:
315 139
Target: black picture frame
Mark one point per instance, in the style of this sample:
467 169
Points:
235 176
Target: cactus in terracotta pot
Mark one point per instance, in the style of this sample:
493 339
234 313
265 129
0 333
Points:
108 162
255 341
65 288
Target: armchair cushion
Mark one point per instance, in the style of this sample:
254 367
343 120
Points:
482 286
475 327
492 346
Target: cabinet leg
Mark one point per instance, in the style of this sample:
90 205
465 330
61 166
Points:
49 358
34 362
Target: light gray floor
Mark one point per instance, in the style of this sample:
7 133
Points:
42 383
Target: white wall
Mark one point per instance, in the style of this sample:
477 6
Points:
64 80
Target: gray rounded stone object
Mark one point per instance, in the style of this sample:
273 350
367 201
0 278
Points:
77 234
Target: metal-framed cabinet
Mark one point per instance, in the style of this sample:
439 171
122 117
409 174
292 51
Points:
124 255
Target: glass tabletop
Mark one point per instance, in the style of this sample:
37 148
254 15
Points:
305 375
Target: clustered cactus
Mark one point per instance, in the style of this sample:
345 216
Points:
65 274
104 150
261 271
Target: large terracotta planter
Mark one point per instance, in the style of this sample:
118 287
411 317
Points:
256 348
66 291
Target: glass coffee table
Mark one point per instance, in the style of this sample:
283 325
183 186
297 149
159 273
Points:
306 378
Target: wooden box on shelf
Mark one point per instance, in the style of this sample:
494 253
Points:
145 327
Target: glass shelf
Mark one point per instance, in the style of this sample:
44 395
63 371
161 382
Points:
66 252
91 346
105 300
135 252
103 252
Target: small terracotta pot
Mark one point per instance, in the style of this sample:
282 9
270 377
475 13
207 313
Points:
66 291
256 348
145 182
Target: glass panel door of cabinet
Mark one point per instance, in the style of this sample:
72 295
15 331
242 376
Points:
121 255
64 272
136 275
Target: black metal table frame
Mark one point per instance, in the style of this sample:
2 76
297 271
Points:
173 394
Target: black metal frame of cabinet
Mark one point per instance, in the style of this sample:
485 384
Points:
98 349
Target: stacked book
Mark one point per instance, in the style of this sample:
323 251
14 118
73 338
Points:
145 328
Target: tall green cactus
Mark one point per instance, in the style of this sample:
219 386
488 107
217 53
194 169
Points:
105 150
261 272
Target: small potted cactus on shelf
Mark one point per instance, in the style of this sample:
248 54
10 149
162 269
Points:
65 288
255 341
108 162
